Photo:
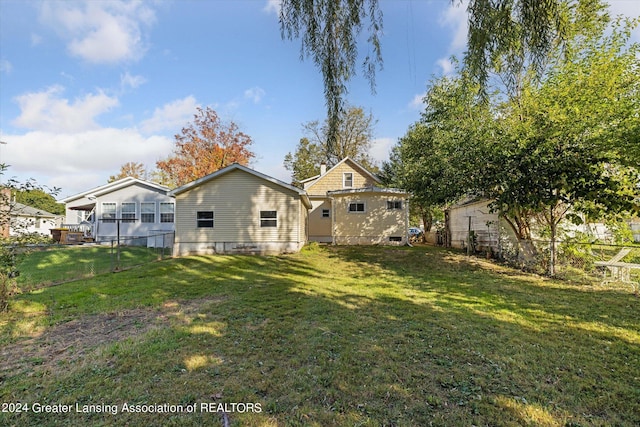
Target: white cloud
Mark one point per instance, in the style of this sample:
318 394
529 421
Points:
417 103
78 161
127 80
101 31
454 18
380 148
273 6
446 65
5 66
173 115
255 94
48 111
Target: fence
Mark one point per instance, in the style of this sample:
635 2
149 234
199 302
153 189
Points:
51 264
577 261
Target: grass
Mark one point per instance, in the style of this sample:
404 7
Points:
66 263
330 336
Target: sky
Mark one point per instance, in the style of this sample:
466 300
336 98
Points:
86 86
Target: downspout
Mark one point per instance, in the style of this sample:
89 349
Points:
333 220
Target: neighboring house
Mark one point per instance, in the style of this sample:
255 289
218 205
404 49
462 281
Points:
349 207
27 219
137 208
473 215
239 210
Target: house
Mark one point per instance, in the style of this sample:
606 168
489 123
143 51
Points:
473 216
350 208
27 219
131 208
239 210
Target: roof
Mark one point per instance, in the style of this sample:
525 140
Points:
18 209
237 166
346 159
113 186
371 189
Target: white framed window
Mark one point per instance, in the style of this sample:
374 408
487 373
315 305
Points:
356 207
167 212
108 212
204 219
128 211
326 213
347 180
394 204
148 212
268 218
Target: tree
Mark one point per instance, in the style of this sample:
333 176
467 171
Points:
563 145
40 199
12 248
329 31
305 162
203 147
431 161
354 137
130 169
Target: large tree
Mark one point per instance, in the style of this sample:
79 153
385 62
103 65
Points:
130 169
204 146
39 199
559 145
353 139
435 160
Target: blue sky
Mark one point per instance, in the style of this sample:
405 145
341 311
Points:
88 86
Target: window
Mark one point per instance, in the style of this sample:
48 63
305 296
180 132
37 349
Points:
356 207
205 219
395 238
394 204
109 212
148 212
347 180
128 212
268 218
326 213
166 212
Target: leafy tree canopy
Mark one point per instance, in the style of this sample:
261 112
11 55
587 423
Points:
39 199
132 169
204 146
354 138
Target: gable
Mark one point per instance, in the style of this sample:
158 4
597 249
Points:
334 178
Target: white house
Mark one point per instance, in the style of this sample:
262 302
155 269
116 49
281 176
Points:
129 207
27 219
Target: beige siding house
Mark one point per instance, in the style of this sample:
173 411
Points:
239 210
349 207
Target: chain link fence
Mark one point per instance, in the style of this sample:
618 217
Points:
584 262
44 265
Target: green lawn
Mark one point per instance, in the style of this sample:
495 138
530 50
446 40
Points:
65 263
330 336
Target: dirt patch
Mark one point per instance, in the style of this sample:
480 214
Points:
80 337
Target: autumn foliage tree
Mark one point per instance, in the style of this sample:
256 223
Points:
204 146
132 169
